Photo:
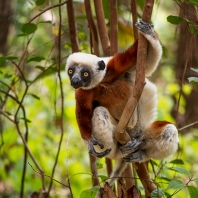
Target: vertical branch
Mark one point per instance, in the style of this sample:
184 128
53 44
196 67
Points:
95 46
104 38
113 27
121 134
62 100
102 29
95 180
72 26
128 176
134 18
92 26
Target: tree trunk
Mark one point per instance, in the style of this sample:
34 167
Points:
187 58
5 21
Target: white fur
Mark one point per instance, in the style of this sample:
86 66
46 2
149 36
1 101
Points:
154 54
90 61
104 124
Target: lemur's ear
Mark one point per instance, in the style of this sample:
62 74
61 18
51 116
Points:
101 65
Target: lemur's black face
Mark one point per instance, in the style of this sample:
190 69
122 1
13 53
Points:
85 76
79 76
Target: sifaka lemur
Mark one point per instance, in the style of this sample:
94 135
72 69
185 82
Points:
103 86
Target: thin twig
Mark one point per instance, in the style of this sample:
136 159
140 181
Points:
187 126
49 8
62 101
40 173
7 116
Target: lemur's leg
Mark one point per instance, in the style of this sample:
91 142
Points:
103 126
159 141
117 170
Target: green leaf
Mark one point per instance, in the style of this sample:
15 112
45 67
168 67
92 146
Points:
177 161
175 184
196 180
182 171
193 2
193 192
91 193
196 70
157 193
193 29
99 165
45 22
2 61
21 35
12 58
28 28
34 96
165 178
193 80
103 178
36 59
82 173
29 121
40 67
174 19
47 72
8 75
40 2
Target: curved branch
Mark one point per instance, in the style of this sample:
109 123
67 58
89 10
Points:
121 134
54 6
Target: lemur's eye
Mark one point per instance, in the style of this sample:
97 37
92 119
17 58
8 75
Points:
86 74
70 71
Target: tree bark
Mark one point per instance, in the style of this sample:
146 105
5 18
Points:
187 57
72 26
5 21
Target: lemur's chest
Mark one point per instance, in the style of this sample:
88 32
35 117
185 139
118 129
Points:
114 96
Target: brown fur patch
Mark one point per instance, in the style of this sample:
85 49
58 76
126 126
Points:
157 128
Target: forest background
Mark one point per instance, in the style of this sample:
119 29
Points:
38 130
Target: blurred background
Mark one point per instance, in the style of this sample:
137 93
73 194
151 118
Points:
37 103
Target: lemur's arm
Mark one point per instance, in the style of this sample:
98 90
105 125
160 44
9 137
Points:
154 51
84 114
120 63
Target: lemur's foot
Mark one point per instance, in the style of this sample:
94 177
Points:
134 157
130 147
93 141
145 28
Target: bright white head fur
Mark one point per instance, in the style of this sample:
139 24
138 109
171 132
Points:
90 61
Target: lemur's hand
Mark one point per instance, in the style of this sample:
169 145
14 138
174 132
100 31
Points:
93 141
130 147
145 28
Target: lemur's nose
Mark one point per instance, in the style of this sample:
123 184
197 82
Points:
76 82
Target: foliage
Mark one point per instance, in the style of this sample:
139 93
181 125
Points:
34 90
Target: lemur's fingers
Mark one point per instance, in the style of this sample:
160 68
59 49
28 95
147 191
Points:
134 157
96 142
145 28
130 146
93 141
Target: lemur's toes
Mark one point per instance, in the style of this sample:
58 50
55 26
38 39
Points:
134 157
145 28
